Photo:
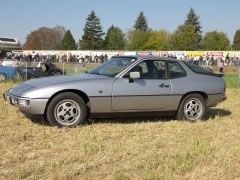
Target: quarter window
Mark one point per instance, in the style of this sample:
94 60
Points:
175 70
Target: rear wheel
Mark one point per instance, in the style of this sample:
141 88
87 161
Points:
2 77
192 108
66 110
18 76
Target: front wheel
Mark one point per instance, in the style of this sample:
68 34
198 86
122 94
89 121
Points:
192 108
66 110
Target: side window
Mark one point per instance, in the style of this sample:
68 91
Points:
150 69
175 70
141 68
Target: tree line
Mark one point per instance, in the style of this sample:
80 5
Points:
187 36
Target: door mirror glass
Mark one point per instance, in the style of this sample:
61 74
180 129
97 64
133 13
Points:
134 75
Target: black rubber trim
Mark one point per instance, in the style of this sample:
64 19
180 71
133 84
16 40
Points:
149 95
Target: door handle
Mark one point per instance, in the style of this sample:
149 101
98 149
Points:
164 85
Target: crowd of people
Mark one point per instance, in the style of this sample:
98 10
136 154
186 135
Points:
100 57
71 58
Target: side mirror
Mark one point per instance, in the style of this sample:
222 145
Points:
134 75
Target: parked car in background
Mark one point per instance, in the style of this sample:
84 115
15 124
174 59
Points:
43 69
7 72
124 85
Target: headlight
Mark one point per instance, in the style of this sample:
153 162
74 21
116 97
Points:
14 101
23 102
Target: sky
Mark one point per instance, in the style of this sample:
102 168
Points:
20 17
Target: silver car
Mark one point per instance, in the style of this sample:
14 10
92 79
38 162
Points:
123 85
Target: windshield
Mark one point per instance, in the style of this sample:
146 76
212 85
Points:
113 67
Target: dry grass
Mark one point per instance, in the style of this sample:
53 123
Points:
131 149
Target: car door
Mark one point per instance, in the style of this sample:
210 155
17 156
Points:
149 93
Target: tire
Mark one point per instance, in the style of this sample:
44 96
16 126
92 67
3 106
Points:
57 74
2 77
192 108
66 110
17 76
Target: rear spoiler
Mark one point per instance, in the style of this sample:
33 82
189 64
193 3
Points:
217 75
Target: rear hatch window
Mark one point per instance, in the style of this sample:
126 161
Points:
201 70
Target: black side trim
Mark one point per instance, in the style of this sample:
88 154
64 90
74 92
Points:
139 95
216 94
148 95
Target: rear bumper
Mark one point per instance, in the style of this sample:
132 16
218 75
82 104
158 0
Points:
214 99
29 106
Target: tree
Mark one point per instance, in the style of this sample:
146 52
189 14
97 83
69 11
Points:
60 32
114 39
137 40
33 42
215 41
141 23
93 33
158 40
193 19
45 38
184 38
236 40
68 42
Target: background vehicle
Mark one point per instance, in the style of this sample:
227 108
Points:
7 72
43 69
125 84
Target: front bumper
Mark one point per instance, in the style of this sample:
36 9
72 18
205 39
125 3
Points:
27 105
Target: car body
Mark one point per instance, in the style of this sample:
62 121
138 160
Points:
9 44
125 84
7 72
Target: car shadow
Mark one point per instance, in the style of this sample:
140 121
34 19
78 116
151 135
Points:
40 121
37 119
131 120
118 120
216 112
211 114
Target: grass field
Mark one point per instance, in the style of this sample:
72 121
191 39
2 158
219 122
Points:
232 80
123 148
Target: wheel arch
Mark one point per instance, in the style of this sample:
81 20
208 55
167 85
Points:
83 95
203 94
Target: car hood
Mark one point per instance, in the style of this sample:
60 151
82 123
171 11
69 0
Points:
46 81
27 86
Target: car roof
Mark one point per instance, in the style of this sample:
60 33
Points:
148 58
